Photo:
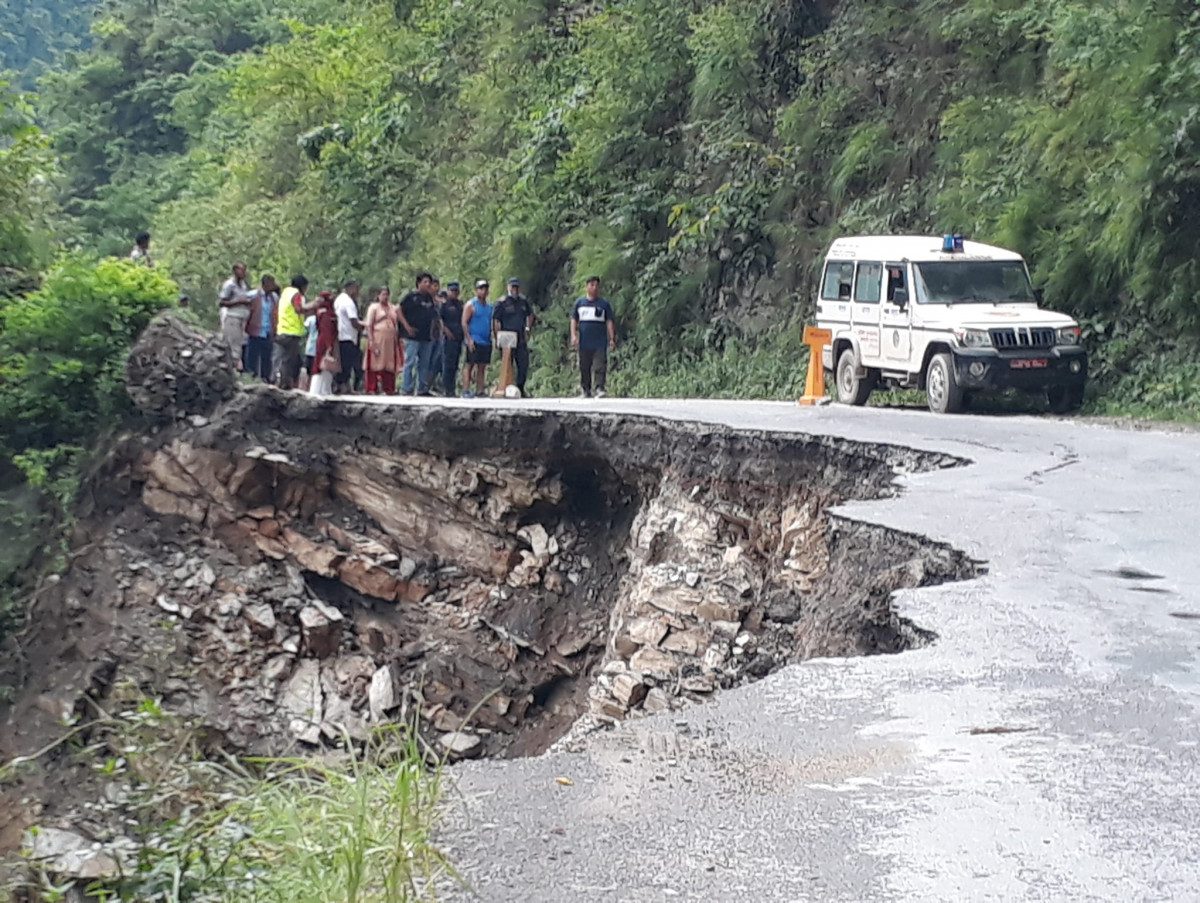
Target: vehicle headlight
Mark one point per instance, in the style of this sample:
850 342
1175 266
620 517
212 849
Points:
973 338
1069 336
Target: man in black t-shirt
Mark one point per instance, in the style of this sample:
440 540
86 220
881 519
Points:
418 320
451 311
593 333
514 314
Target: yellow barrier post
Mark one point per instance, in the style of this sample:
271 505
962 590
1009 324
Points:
814 384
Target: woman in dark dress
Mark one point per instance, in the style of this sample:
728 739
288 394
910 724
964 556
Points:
325 361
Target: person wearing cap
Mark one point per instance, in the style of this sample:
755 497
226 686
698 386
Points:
514 314
594 334
477 333
451 313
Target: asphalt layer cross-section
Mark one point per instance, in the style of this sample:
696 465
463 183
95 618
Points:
862 779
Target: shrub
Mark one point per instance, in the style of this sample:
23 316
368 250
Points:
63 349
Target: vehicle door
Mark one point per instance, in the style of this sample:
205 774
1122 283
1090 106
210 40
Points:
895 317
868 288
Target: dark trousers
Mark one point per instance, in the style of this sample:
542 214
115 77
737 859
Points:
258 357
291 349
593 359
435 362
351 365
521 365
451 355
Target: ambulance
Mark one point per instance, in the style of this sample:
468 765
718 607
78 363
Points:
950 317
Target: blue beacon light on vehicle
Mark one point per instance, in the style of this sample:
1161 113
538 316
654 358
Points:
952 243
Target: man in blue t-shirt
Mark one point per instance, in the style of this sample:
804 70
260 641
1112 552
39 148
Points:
593 333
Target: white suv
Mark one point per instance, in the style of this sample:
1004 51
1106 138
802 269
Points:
948 316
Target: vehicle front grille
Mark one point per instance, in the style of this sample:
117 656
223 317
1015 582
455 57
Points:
1022 337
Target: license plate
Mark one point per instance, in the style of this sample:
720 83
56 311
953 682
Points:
1031 364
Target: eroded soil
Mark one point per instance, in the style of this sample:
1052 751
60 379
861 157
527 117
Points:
290 572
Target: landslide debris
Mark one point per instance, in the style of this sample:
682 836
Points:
291 571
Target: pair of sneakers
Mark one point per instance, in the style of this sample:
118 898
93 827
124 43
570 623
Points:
584 393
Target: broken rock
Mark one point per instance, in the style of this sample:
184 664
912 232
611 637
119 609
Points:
70 855
368 578
647 631
656 701
261 618
384 694
628 690
461 745
538 539
654 662
303 700
321 629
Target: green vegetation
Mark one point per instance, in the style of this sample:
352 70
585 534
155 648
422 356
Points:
24 193
36 33
62 358
699 157
357 828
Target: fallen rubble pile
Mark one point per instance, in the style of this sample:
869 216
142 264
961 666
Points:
291 572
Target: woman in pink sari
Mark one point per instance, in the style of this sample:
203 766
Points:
384 355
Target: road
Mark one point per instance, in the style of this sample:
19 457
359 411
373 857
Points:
862 779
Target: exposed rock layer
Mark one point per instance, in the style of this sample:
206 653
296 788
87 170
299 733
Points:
291 571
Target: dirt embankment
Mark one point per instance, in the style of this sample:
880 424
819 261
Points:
290 571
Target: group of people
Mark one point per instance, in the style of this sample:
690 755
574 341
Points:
327 345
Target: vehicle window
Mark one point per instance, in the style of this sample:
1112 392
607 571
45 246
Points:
896 280
838 278
870 281
972 281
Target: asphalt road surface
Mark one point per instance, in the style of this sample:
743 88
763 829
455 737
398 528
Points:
1044 748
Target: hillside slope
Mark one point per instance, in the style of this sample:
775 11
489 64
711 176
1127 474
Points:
697 156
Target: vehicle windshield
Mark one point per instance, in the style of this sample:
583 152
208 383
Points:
978 281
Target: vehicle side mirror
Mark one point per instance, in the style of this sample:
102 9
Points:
900 297
843 292
1039 295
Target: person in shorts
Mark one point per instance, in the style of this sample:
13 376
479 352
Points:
513 313
477 333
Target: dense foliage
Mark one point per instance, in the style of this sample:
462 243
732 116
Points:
62 356
35 33
24 192
698 156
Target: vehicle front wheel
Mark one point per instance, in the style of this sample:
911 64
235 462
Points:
1065 399
851 389
942 391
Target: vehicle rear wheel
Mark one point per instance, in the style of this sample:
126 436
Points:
1065 399
851 389
942 391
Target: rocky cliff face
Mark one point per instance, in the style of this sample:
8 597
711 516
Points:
291 572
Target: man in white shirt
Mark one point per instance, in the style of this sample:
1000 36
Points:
141 249
234 298
345 306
